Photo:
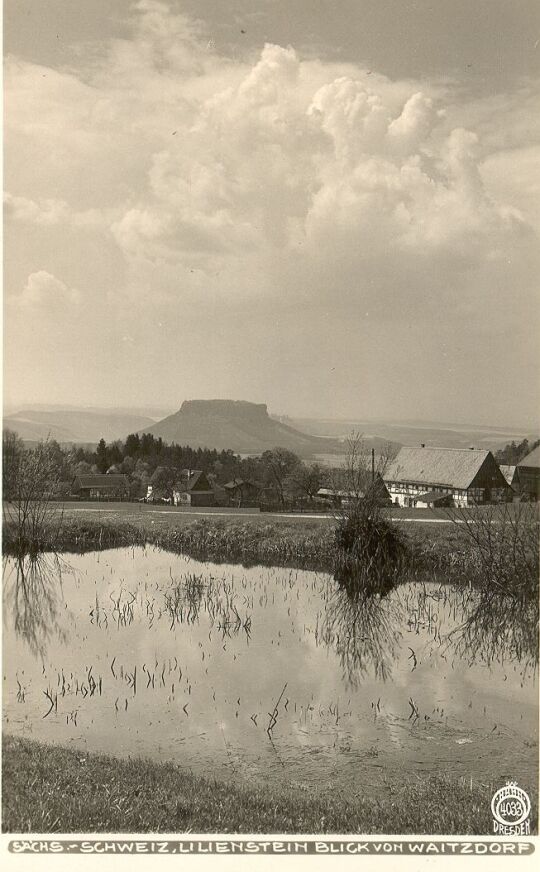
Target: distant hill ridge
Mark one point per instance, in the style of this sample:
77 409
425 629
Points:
74 425
239 425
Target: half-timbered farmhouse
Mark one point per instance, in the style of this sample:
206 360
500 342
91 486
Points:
452 476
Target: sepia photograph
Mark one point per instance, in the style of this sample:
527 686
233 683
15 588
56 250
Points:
271 429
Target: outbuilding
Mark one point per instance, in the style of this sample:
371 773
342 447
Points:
242 492
529 474
101 487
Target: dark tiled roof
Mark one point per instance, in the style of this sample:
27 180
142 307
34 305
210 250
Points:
112 481
190 478
238 482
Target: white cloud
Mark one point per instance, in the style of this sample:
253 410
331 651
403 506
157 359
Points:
280 179
44 291
47 212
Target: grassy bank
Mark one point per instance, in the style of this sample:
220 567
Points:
443 550
47 789
216 541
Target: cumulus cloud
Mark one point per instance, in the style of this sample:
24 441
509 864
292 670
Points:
48 212
300 182
44 291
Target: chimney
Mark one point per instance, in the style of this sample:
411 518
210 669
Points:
423 445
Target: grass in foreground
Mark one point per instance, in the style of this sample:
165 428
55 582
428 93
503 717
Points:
50 789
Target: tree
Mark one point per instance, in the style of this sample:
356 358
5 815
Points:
306 480
132 446
280 463
102 461
12 454
163 481
513 453
128 465
29 514
82 468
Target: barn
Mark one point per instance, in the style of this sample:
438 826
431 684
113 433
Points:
242 492
101 487
529 474
455 476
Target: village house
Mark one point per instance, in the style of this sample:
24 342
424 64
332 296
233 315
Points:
445 476
193 489
242 493
101 487
529 474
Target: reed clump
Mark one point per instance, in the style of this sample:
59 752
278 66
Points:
371 552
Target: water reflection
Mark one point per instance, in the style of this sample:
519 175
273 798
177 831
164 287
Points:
497 629
144 652
33 599
365 631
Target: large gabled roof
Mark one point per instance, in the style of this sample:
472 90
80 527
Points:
445 467
532 459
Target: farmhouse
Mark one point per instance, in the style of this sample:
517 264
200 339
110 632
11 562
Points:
529 474
101 487
453 476
242 492
193 489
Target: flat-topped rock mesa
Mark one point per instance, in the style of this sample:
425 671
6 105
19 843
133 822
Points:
244 427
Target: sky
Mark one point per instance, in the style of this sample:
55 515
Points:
330 206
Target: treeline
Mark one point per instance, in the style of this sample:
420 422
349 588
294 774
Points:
514 452
147 453
278 471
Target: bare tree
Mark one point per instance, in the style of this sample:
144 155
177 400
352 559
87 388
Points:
361 477
503 547
280 464
28 513
371 550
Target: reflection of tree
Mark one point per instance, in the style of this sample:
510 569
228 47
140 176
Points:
31 599
364 630
497 629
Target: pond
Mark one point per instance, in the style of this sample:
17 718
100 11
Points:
265 672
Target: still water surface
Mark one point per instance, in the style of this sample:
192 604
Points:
142 652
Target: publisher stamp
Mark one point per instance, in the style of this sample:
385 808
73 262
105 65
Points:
511 808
